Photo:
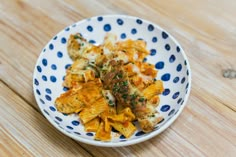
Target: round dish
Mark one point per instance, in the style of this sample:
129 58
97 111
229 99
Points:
165 53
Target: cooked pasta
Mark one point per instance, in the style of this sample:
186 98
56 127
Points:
110 86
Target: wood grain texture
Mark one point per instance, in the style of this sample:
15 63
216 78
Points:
206 31
29 129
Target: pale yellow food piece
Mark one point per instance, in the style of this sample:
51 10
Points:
104 116
135 49
149 122
69 103
153 89
125 115
90 112
127 128
90 92
92 126
155 100
101 134
119 108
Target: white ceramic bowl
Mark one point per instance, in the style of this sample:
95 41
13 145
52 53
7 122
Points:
165 53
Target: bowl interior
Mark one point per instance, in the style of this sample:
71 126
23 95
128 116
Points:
165 53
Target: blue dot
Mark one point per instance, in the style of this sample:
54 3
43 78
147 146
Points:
183 80
56 122
90 28
51 47
187 85
172 58
166 92
159 65
107 27
77 133
175 95
74 25
165 77
164 35
45 62
185 62
58 118
179 67
144 59
48 91
154 39
59 54
44 49
92 41
45 112
75 122
89 134
39 68
52 108
177 49
48 97
69 127
67 66
182 102
165 108
139 21
140 133
156 128
153 52
187 72
67 29
133 31
54 67
150 27
167 47
161 121
65 89
44 78
122 137
38 92
176 79
36 82
180 99
120 22
63 40
140 38
100 18
41 101
123 36
55 38
53 78
171 112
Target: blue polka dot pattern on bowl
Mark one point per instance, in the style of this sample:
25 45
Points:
165 54
107 27
159 65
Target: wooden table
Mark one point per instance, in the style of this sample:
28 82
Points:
205 29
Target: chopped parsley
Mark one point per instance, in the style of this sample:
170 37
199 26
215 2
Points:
76 37
124 96
142 99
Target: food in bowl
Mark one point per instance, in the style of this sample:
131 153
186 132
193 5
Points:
110 85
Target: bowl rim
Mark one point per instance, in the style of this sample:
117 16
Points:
127 142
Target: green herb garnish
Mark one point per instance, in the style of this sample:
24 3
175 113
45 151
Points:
141 99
